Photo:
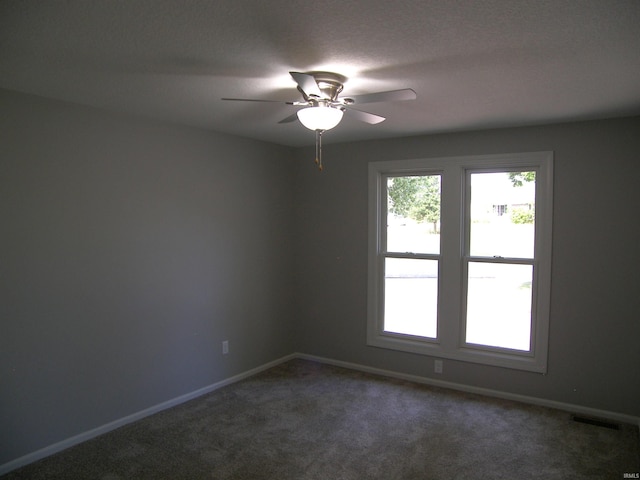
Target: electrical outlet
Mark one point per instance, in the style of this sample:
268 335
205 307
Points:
437 366
225 347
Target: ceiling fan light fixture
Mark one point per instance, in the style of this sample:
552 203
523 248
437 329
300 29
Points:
320 117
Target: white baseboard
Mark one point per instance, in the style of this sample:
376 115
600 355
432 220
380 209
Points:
83 437
568 407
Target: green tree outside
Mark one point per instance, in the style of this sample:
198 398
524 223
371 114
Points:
415 197
519 178
521 216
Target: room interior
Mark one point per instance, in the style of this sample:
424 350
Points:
146 221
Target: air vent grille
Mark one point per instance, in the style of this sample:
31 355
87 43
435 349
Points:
596 422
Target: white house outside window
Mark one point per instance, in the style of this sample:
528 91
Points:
460 257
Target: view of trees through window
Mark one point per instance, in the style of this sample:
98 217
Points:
416 198
498 257
411 274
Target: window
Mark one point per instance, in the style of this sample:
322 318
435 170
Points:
460 257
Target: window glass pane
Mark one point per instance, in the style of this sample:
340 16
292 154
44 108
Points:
411 296
502 214
413 214
499 305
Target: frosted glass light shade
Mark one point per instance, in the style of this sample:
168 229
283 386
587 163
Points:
320 118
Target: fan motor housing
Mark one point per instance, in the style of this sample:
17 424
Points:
329 83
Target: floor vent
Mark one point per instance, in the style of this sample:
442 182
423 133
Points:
595 422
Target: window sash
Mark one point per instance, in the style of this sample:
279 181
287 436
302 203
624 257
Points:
421 307
464 327
385 254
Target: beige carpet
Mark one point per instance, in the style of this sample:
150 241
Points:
303 420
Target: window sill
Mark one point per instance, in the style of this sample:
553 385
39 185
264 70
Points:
484 356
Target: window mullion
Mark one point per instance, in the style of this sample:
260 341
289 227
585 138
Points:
450 280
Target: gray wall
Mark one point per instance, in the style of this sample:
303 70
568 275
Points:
128 252
594 358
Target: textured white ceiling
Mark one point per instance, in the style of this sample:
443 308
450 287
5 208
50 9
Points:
473 64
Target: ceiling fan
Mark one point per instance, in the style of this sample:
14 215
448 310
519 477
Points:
324 108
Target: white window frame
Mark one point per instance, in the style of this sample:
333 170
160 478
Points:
450 342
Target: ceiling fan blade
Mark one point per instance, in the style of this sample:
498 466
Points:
365 116
390 96
255 100
291 118
307 83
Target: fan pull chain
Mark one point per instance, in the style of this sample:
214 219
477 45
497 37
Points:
319 149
